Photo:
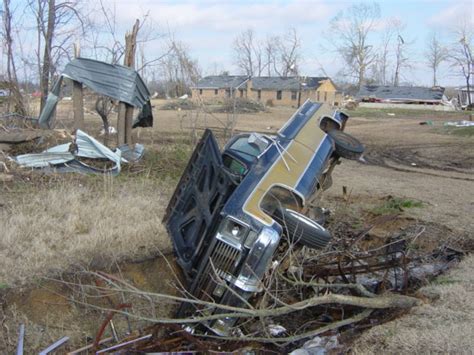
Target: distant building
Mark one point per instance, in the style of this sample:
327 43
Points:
402 95
287 91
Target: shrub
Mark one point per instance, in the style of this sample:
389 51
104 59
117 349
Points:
242 105
179 105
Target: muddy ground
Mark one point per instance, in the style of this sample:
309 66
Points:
405 160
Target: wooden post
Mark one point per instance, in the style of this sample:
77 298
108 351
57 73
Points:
121 124
77 98
78 105
125 114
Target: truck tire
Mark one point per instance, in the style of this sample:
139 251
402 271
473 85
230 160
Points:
347 146
303 230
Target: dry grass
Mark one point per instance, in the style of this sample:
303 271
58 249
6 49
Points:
443 326
92 223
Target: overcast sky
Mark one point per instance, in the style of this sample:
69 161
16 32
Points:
209 27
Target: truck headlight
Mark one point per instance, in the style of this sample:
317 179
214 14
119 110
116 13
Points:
258 260
232 232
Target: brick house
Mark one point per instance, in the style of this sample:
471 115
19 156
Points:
219 87
286 91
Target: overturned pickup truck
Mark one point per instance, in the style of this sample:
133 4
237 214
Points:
231 208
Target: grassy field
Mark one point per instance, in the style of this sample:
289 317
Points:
47 229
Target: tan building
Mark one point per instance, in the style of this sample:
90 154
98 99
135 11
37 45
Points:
287 91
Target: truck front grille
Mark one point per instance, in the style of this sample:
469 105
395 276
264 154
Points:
222 261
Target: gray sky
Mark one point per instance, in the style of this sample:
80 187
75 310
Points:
209 27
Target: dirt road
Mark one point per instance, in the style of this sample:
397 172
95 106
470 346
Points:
439 171
420 162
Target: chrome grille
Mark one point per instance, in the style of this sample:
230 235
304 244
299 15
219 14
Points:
222 261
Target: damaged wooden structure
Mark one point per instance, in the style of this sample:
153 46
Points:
125 113
413 97
115 81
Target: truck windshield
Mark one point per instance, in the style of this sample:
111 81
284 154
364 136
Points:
242 145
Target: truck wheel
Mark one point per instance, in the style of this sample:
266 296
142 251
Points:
347 146
302 229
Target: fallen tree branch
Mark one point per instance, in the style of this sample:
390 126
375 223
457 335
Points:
289 339
380 302
355 286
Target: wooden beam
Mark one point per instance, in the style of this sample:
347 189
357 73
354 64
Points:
128 123
125 116
78 105
121 131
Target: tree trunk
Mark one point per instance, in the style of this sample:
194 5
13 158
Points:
468 87
14 91
45 70
361 77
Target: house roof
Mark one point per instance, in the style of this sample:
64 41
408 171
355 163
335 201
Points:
286 83
401 92
315 81
221 81
259 83
275 83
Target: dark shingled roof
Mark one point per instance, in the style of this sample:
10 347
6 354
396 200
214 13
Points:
288 83
259 83
221 82
415 93
275 83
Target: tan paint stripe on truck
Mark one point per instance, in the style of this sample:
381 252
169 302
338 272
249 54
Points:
302 149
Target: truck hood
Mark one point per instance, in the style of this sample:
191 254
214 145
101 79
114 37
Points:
193 212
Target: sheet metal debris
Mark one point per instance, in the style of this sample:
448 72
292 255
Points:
66 157
319 345
462 123
54 346
132 155
21 337
116 81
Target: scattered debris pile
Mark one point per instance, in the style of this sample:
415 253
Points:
183 104
112 80
240 105
69 157
403 95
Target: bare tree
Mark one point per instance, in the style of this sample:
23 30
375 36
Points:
179 69
289 48
436 53
401 53
248 55
57 24
14 91
277 55
382 63
271 48
461 56
106 43
351 30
